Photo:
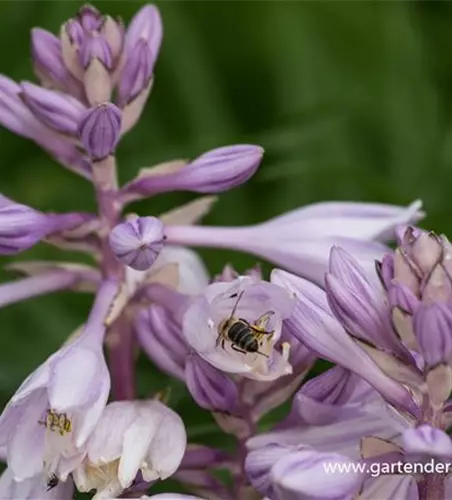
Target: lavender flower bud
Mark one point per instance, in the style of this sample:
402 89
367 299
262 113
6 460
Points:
99 130
433 328
402 297
145 25
60 112
210 388
89 17
96 47
427 440
215 171
75 32
137 73
138 242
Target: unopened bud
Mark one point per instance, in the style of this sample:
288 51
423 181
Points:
138 242
99 130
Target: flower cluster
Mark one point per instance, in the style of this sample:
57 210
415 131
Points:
241 344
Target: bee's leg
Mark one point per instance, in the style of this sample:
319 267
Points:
235 348
262 354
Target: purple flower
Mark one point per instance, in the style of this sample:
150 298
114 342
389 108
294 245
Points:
301 240
209 387
213 172
33 488
99 130
131 436
313 323
145 25
96 47
58 111
160 336
21 227
137 73
256 302
137 242
16 116
303 474
427 440
51 416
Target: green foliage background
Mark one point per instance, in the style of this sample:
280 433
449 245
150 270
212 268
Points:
351 101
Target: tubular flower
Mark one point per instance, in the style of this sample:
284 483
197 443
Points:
51 416
207 322
131 436
301 240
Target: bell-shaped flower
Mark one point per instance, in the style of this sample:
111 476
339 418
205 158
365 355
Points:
51 416
34 488
137 242
235 325
212 172
300 241
21 227
131 437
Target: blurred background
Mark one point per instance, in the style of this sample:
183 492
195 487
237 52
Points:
351 101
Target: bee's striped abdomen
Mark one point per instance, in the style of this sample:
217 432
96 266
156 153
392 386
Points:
241 334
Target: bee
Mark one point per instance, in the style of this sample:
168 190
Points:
52 482
245 337
57 421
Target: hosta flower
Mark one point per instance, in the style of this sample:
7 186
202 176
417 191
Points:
337 420
301 240
52 414
131 436
33 488
249 302
138 242
21 227
212 172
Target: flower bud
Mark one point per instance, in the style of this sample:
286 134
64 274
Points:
46 53
209 387
96 47
89 17
433 328
215 171
58 111
138 242
427 440
145 25
99 130
137 73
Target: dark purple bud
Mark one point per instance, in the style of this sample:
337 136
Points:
138 242
136 74
58 111
46 52
432 325
89 17
210 387
99 130
96 47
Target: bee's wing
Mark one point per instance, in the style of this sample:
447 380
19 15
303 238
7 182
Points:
263 320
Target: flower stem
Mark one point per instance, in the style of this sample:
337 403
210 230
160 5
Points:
121 340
